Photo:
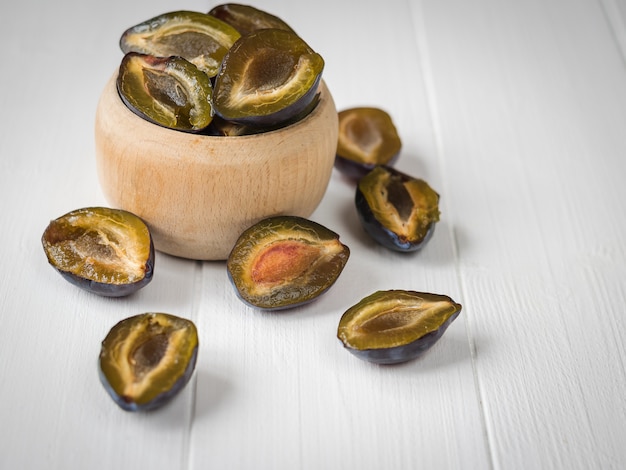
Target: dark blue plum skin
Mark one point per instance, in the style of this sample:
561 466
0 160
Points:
282 116
406 352
382 234
112 290
354 170
158 401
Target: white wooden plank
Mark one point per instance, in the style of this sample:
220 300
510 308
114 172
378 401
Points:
286 393
54 412
280 386
530 177
615 11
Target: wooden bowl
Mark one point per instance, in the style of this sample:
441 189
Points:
199 193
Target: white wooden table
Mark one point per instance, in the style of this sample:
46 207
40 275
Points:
514 111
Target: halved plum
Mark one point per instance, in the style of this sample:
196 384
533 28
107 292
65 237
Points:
105 251
221 127
267 78
168 91
147 359
397 210
200 38
367 138
395 326
285 261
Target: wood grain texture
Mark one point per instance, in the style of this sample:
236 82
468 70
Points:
513 111
534 181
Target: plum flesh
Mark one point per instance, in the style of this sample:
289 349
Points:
147 359
395 326
285 261
105 251
397 210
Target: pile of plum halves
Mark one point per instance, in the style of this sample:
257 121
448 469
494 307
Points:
235 70
278 263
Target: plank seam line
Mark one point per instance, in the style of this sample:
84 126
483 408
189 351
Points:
417 13
193 385
617 24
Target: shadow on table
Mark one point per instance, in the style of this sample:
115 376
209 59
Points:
449 351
